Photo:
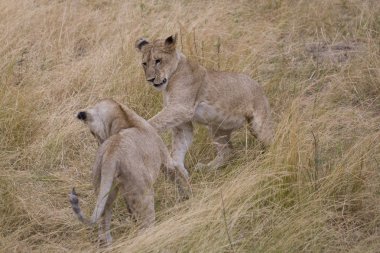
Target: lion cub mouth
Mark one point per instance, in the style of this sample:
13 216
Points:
159 84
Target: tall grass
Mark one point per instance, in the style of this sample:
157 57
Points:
315 189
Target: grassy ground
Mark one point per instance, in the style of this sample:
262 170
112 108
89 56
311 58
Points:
316 189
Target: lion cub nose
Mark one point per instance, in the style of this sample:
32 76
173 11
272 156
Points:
82 115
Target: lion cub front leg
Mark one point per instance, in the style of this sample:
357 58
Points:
181 142
222 142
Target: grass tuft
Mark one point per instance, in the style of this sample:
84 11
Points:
316 189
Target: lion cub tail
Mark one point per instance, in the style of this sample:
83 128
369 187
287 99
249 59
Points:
76 208
108 171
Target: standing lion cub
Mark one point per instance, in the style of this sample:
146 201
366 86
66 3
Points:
128 160
223 101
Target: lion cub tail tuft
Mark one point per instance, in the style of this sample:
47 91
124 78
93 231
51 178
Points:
73 196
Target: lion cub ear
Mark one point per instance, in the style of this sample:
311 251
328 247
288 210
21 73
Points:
122 121
170 42
140 43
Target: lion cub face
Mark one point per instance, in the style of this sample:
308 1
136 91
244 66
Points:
159 60
104 119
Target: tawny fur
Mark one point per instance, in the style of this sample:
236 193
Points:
223 101
128 160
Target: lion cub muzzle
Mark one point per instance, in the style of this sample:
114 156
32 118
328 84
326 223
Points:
157 83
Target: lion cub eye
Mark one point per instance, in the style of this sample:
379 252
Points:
144 64
158 61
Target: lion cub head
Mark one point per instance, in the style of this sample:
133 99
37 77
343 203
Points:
159 60
105 118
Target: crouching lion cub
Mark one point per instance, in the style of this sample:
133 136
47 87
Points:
128 160
223 101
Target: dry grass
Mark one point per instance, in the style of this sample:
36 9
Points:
316 188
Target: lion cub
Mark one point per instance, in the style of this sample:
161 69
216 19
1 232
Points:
128 160
223 101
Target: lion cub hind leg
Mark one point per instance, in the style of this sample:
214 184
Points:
140 203
105 238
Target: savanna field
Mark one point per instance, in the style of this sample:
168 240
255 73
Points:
315 189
